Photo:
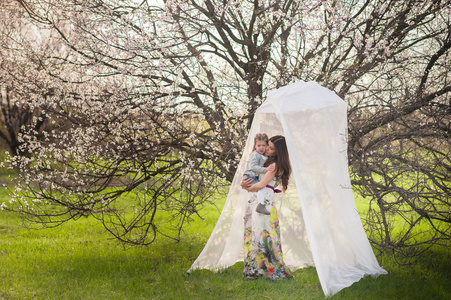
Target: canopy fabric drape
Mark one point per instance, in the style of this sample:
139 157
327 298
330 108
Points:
319 221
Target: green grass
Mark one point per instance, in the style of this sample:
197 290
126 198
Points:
79 260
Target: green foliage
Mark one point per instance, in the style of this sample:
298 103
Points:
79 260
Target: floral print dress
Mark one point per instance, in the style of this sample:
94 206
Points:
262 247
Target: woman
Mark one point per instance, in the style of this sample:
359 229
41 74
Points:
262 246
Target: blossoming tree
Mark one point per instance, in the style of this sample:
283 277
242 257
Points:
156 97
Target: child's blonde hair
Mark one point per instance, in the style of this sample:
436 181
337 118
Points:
260 137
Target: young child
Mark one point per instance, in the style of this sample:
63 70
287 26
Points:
255 168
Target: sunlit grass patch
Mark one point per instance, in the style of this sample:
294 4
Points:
79 260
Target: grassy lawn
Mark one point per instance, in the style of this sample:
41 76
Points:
79 260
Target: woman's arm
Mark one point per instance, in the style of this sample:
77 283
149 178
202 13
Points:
261 184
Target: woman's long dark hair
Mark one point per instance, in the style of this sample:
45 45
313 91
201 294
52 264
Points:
282 159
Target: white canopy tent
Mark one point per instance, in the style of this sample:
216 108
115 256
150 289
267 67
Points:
320 225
